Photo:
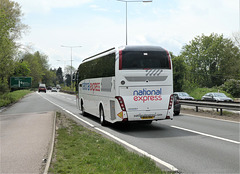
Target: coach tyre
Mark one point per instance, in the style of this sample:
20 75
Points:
176 113
82 109
102 117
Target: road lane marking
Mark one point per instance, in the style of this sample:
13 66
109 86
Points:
89 124
169 166
207 135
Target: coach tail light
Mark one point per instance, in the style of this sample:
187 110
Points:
170 106
170 102
121 102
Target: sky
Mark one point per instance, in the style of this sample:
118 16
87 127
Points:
98 25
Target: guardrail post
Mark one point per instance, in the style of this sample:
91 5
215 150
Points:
220 111
196 108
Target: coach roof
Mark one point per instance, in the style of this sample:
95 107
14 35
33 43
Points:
143 48
129 48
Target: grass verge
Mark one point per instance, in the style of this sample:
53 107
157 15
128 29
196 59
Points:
80 150
11 97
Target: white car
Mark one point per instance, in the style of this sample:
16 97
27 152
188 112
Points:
54 89
215 96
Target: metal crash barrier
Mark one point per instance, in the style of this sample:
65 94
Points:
218 105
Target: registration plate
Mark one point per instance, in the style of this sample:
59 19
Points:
147 117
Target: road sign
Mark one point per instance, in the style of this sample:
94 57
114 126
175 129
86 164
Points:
20 82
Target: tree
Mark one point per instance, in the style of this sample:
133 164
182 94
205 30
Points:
11 29
59 75
49 78
69 69
39 67
21 69
179 71
236 39
212 60
68 80
232 87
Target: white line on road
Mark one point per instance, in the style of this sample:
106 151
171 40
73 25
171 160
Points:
208 135
171 167
89 124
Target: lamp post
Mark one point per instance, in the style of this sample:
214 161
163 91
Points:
126 1
71 47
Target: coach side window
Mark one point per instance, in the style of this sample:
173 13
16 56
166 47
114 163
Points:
97 68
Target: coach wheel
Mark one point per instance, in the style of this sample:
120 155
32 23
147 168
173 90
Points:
176 113
82 109
102 117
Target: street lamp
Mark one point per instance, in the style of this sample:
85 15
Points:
71 56
126 1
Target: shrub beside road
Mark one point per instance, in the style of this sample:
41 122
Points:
11 97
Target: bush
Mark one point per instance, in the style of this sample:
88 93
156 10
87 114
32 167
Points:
232 87
4 87
189 86
67 88
11 97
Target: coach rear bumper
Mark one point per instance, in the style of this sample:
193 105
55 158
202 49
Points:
149 115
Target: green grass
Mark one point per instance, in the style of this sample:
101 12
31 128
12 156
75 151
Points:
11 97
66 88
79 150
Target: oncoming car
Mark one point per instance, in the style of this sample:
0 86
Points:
54 89
42 88
215 96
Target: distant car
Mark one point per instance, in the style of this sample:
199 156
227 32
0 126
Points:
177 105
49 88
58 86
215 96
184 96
42 88
54 89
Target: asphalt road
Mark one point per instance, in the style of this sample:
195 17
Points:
26 130
191 144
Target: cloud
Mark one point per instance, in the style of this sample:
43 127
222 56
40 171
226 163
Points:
45 6
98 26
97 8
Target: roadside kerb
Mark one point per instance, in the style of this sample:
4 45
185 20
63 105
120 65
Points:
49 159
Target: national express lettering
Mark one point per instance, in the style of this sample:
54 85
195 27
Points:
147 95
91 86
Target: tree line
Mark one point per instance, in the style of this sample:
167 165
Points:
14 62
206 61
209 61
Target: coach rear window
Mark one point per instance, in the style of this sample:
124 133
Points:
145 60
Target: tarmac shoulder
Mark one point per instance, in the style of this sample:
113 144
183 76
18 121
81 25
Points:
25 141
